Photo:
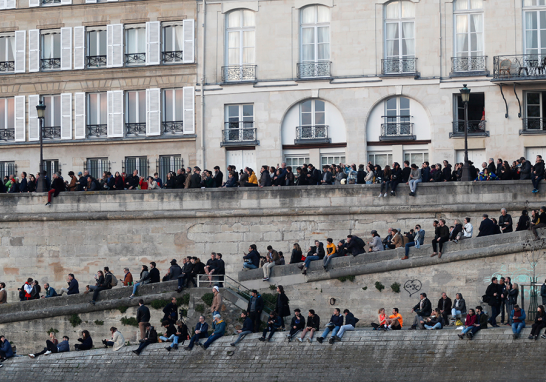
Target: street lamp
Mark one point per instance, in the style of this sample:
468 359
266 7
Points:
40 111
465 95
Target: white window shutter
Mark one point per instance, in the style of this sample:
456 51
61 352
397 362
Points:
153 43
11 4
114 56
20 119
3 4
66 2
33 122
115 113
66 48
189 114
20 56
80 121
66 116
188 32
34 50
79 47
33 3
153 112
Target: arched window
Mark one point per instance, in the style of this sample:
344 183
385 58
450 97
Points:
397 117
315 42
240 42
468 22
399 38
535 27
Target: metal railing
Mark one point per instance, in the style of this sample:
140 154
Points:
238 73
312 132
314 69
244 292
239 131
396 129
50 63
474 127
173 127
51 1
98 131
51 132
403 65
174 56
135 58
469 64
524 66
203 280
96 61
7 134
7 66
136 128
534 124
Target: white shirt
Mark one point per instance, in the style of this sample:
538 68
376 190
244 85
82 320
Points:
468 230
28 288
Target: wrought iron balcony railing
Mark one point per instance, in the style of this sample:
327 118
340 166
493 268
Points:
533 126
96 61
98 131
468 64
51 132
50 63
135 58
173 127
314 69
171 57
238 73
7 66
46 2
399 130
239 131
475 127
312 134
400 66
525 66
7 134
136 128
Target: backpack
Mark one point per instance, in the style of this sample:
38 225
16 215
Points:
114 281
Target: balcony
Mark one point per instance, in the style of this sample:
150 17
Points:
135 58
405 66
97 131
306 135
475 129
469 66
50 63
7 66
397 130
50 2
172 57
7 134
136 128
238 73
51 132
307 70
239 133
173 127
532 126
96 61
519 67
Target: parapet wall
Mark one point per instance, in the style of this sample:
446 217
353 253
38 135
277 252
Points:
82 232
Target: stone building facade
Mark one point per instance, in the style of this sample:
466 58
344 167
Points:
117 78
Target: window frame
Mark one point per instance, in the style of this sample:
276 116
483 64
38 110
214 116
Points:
176 58
315 26
468 13
400 20
6 122
89 109
164 116
49 32
50 108
10 35
313 113
140 93
88 32
240 30
533 9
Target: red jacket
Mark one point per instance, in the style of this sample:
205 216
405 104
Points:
143 184
470 320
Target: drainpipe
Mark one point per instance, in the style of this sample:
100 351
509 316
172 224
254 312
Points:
203 86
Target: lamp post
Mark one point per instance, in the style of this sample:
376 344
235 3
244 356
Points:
40 111
465 95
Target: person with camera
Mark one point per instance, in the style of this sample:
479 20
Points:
422 309
273 324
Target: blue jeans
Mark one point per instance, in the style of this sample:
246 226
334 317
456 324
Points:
210 340
196 337
249 266
135 287
327 330
308 260
241 336
536 181
516 327
413 184
455 313
466 330
410 244
369 182
384 186
327 259
436 326
173 338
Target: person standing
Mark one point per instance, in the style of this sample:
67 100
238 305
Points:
255 308
282 307
444 306
538 173
216 306
512 292
442 237
493 299
143 317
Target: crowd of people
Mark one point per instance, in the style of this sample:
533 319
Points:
389 177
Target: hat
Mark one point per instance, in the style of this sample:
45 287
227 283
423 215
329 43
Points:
216 288
80 173
173 261
197 168
216 316
373 232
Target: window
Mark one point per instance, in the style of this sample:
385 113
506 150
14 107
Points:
397 117
136 112
415 157
7 113
7 169
535 111
173 110
535 28
136 163
312 120
7 52
97 115
52 117
169 163
240 40
51 166
296 161
468 28
381 159
173 43
315 42
399 38
96 166
239 123
51 50
476 111
96 47
135 45
332 159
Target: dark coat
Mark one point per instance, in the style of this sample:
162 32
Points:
355 247
58 185
425 174
179 181
360 175
314 177
154 276
143 314
87 343
170 312
446 172
198 269
282 307
313 322
259 304
23 185
73 287
265 179
487 227
405 174
175 271
427 308
295 257
327 177
132 181
525 171
490 291
337 320
195 181
492 168
299 323
447 306
218 179
506 219
254 258
248 325
350 319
